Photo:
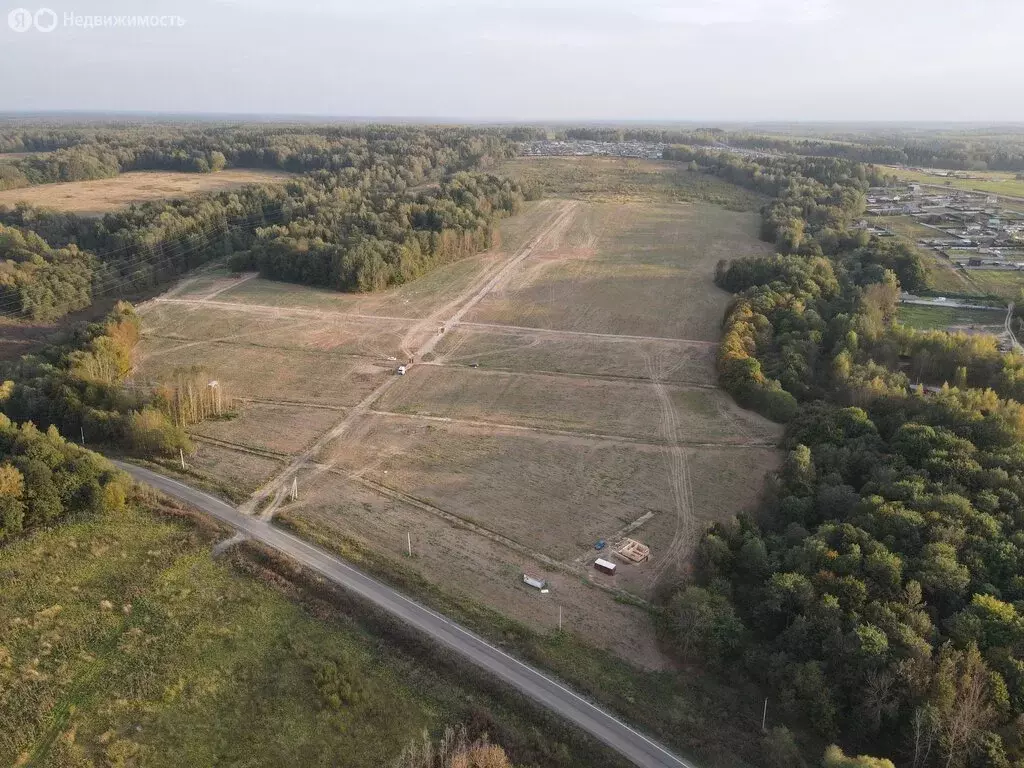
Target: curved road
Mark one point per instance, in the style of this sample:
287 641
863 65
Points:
636 747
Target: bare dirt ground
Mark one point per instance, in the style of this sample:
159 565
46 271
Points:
563 392
94 198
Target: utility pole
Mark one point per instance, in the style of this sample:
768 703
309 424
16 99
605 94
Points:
764 715
181 454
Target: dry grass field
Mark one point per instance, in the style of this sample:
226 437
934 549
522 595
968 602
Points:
94 198
515 349
637 269
562 392
585 404
615 179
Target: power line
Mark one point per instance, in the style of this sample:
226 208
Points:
112 281
108 283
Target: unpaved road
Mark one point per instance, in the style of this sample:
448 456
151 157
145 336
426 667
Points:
633 745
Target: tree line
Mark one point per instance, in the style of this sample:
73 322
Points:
102 152
45 479
877 594
366 232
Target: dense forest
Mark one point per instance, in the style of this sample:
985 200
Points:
40 282
955 152
369 233
93 153
877 595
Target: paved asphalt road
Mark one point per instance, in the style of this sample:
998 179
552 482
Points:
636 747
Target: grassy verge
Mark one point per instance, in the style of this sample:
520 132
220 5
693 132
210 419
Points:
704 717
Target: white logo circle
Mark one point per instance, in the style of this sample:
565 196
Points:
20 20
46 20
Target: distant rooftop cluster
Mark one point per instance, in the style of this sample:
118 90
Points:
973 230
586 148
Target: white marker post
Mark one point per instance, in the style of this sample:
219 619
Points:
409 538
181 454
764 715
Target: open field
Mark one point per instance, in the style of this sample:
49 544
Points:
629 269
615 179
463 560
992 182
1006 284
94 198
241 471
928 318
268 427
552 493
562 392
270 373
123 642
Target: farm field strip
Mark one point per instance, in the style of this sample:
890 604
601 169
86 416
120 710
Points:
494 370
585 334
278 311
685 384
598 437
556 494
240 447
590 405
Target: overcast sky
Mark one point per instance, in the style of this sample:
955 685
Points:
699 60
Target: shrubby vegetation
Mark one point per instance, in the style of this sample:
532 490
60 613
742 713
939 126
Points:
453 750
45 479
80 388
878 595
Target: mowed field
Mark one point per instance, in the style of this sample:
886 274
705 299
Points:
94 198
561 392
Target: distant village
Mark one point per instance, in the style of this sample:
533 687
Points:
572 148
971 229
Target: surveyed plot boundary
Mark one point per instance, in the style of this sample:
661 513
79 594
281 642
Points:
470 298
439 452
